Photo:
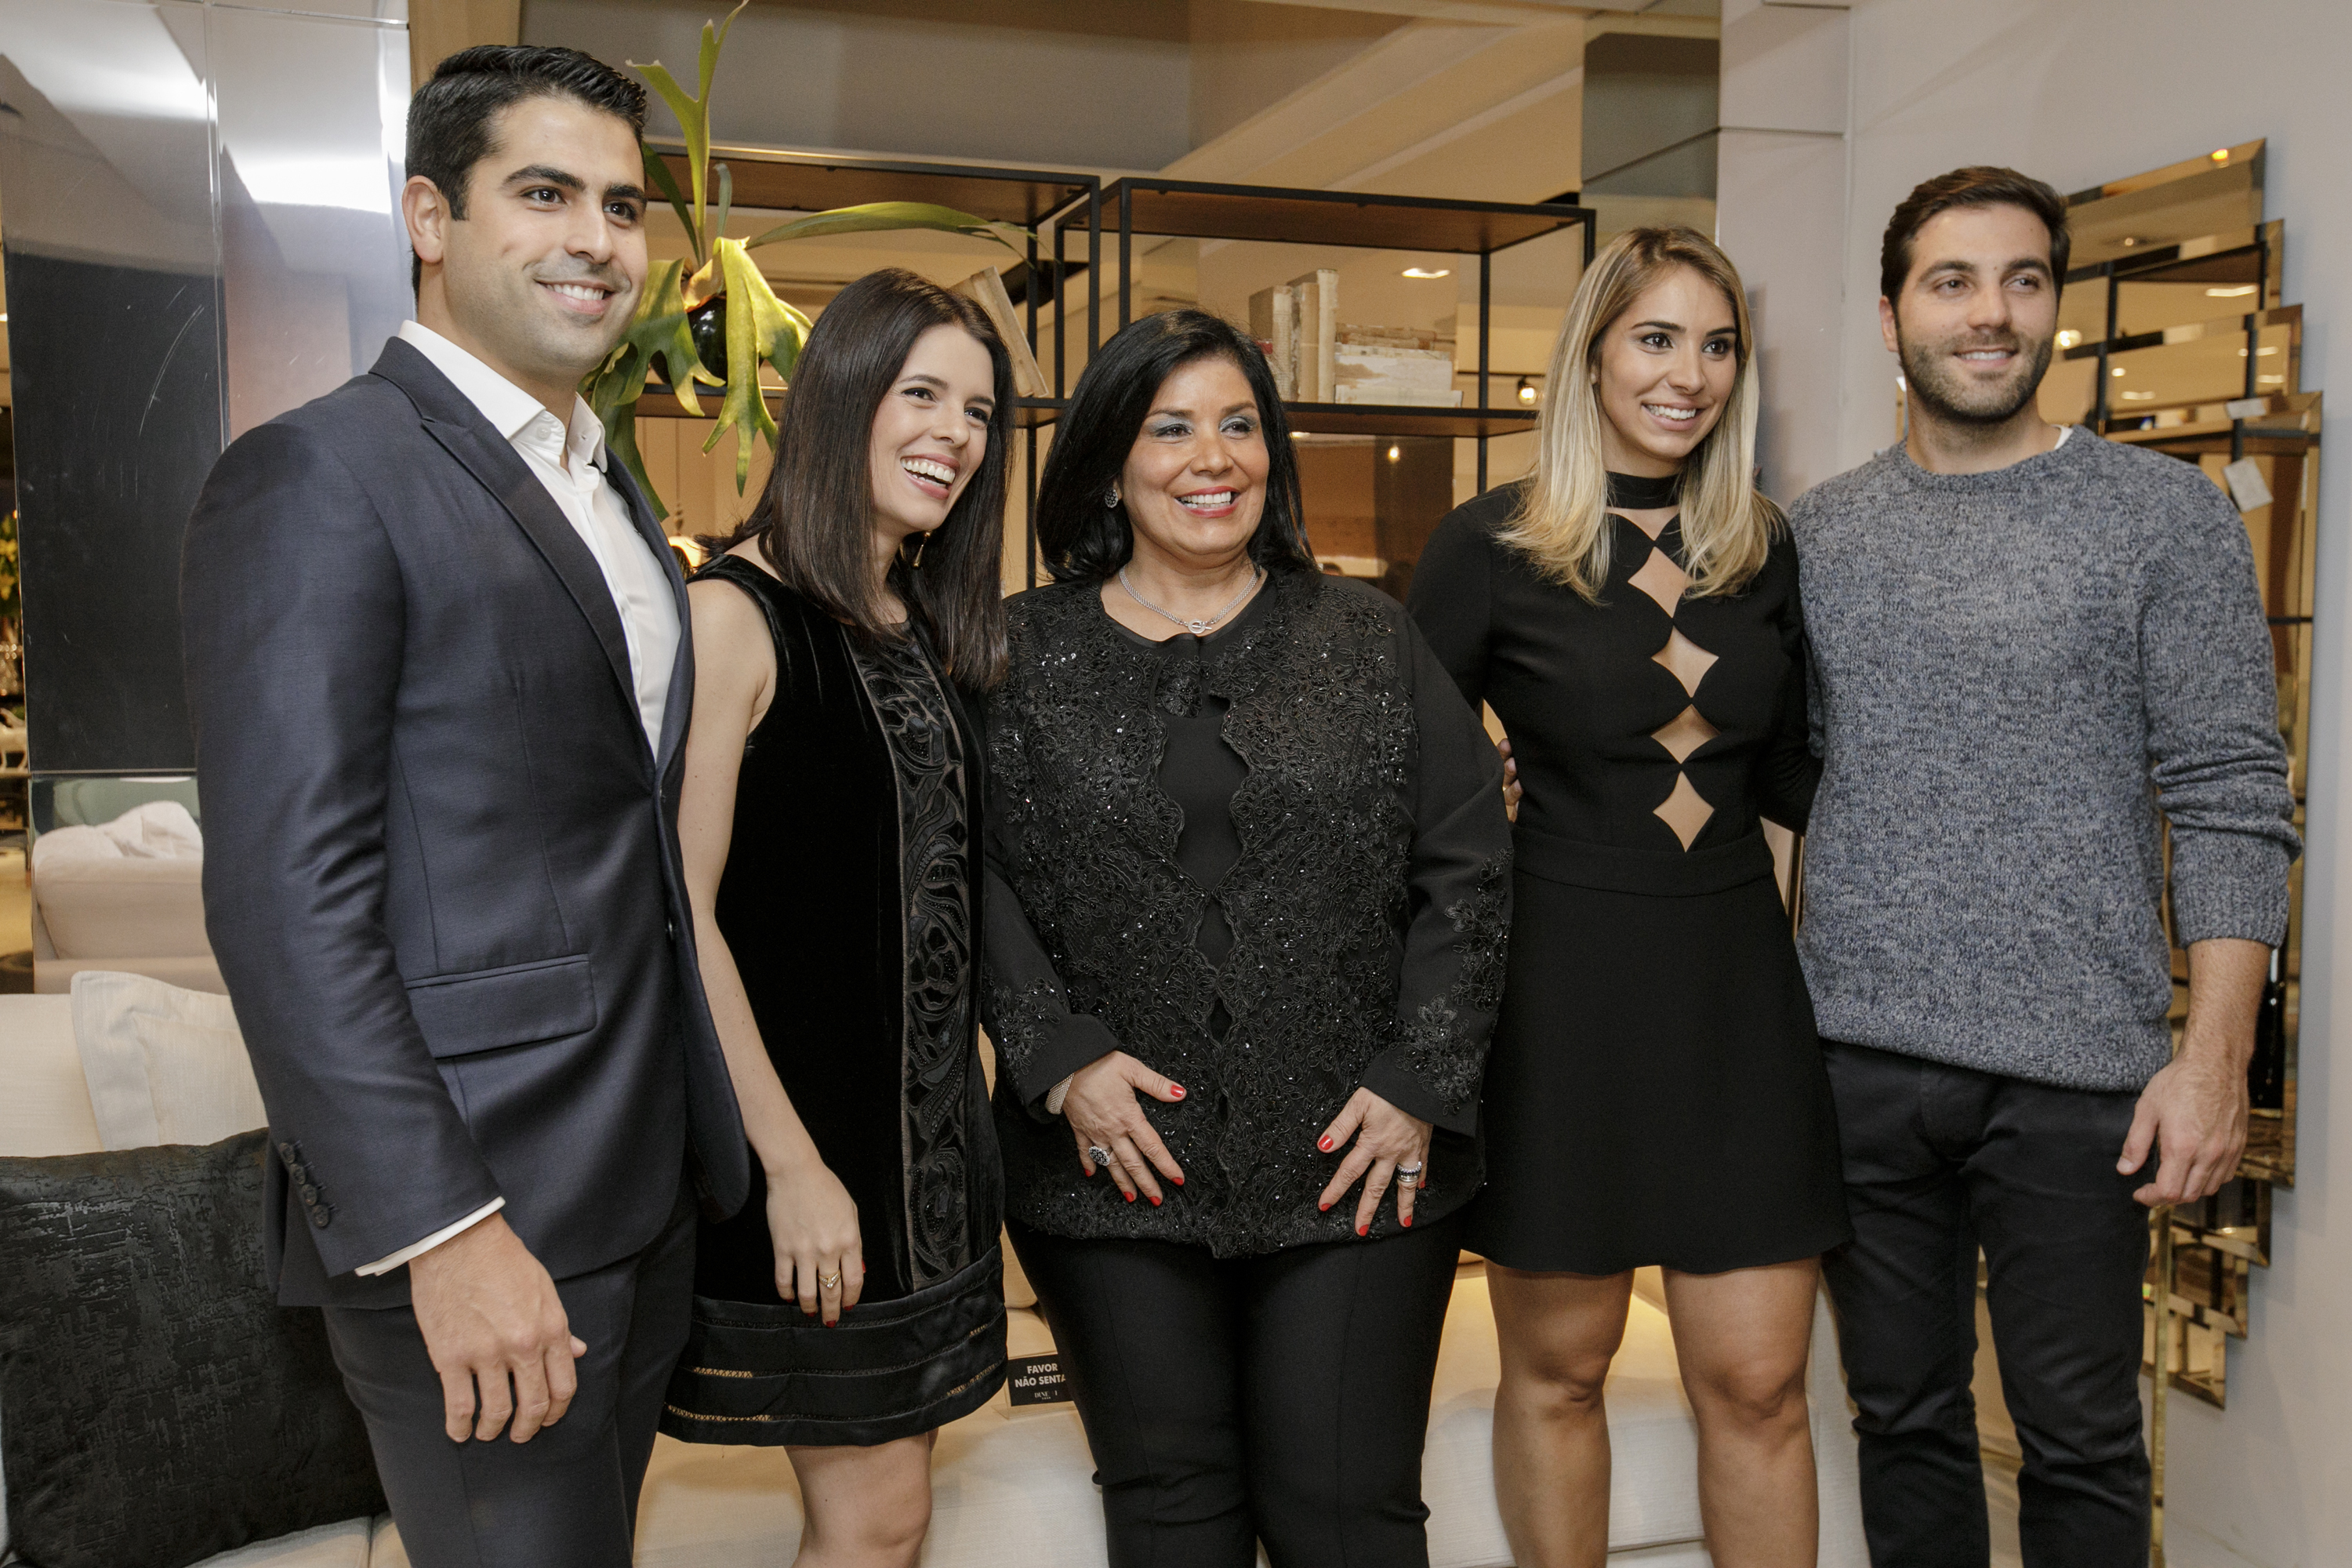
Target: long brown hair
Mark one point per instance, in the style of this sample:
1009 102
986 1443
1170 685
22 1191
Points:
1727 525
815 520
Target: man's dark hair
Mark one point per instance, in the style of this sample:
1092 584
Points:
1084 540
815 520
449 119
1980 185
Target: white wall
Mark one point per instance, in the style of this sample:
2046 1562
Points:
2076 93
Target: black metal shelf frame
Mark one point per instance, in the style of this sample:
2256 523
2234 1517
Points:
1197 209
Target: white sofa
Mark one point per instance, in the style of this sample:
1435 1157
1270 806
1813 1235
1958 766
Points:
1013 1488
126 896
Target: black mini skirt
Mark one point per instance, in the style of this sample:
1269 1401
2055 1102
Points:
771 1374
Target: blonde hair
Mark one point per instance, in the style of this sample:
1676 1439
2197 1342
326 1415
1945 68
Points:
1727 525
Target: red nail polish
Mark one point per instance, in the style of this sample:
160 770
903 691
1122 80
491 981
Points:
1155 1202
1405 1220
1322 1208
1129 1197
1324 1143
1178 1180
1176 1089
1363 1230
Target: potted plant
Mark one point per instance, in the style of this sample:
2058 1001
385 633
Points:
711 319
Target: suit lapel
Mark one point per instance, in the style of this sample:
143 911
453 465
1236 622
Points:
679 706
452 419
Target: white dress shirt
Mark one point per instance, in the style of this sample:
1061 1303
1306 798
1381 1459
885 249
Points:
570 464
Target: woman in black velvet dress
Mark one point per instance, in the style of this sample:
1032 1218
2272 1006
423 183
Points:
829 824
1656 1093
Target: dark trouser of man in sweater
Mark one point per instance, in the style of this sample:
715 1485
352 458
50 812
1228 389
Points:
2018 632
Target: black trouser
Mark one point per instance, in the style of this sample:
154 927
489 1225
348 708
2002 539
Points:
567 1499
1281 1398
1939 1161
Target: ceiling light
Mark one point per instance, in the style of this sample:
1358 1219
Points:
2219 154
1428 272
2128 241
2274 379
2139 396
2272 350
1396 452
2238 291
1527 388
2069 338
2117 370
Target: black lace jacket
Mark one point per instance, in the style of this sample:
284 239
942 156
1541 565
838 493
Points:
1369 908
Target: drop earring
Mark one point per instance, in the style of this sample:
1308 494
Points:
916 563
1110 501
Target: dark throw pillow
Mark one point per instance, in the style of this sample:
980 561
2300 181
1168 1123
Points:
156 1405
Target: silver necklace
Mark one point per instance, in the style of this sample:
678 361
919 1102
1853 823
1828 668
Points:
1198 628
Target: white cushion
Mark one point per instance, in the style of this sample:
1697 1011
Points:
165 1065
44 1101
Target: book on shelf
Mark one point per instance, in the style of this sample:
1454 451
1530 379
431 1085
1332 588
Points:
1273 323
986 289
1409 365
1316 338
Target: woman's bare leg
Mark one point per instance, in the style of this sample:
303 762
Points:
1742 1338
865 1508
1557 1332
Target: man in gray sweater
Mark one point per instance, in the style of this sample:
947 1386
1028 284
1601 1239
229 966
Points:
2027 641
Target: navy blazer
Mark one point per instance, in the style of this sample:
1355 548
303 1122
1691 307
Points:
441 863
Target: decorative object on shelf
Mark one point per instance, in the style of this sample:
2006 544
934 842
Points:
712 319
1395 365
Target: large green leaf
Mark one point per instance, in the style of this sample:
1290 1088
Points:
657 334
759 328
878 216
657 171
694 118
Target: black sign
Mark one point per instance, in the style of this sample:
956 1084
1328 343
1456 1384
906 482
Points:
1036 1380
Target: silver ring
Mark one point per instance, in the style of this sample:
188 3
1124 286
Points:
1407 1179
1411 1169
1099 1155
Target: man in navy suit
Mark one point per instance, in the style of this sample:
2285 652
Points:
434 642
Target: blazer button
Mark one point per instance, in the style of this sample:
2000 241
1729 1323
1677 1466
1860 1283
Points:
319 1217
310 1195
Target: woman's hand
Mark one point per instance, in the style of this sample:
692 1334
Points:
1511 790
1385 1139
813 1221
1104 1113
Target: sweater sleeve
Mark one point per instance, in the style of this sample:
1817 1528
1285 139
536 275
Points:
1459 908
1039 1040
2214 751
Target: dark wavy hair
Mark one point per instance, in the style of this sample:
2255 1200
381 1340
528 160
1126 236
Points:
815 519
1084 541
449 119
1979 185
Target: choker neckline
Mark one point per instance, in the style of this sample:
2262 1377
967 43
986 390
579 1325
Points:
1638 493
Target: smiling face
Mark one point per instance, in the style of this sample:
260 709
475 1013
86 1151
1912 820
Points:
1666 368
540 276
1978 314
930 432
1195 482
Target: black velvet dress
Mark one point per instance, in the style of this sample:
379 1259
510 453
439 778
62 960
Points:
850 901
1656 1092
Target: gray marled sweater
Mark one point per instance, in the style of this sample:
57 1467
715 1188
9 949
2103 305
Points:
2005 664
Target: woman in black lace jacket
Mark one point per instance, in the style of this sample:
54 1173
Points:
1248 886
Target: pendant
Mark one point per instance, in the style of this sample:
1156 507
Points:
1198 628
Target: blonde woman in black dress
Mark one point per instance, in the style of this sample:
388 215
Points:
1655 1093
